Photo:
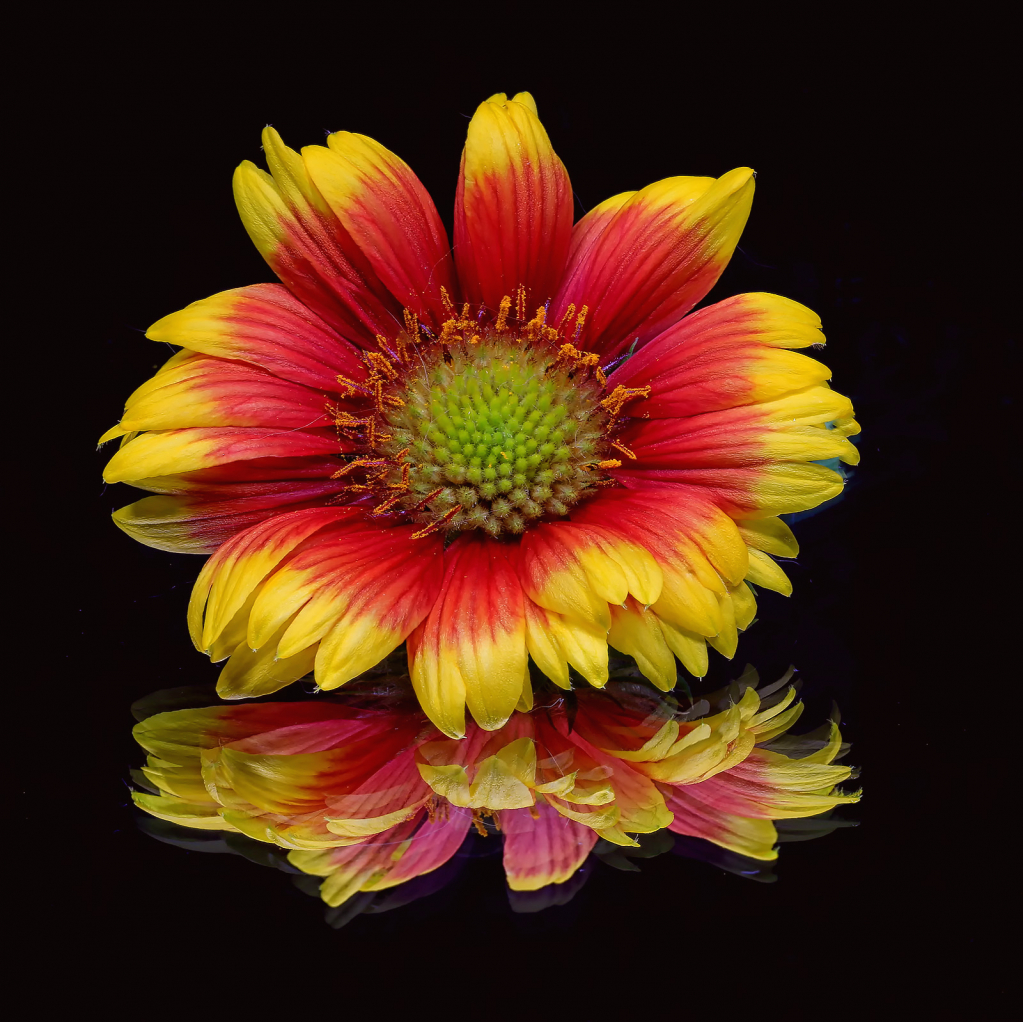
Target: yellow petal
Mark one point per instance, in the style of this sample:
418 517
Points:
763 571
177 810
771 535
636 632
689 647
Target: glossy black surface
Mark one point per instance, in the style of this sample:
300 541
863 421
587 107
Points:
880 200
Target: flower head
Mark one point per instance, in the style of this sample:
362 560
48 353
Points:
529 449
371 796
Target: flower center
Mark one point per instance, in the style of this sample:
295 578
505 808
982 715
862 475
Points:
496 434
487 427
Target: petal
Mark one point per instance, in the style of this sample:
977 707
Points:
555 641
732 353
543 647
513 207
744 604
348 869
353 579
390 216
764 572
726 640
771 535
410 849
505 780
641 808
587 232
788 428
305 782
636 631
267 326
613 566
748 492
184 814
204 391
635 727
386 798
192 525
433 844
231 575
696 818
731 807
443 764
174 734
308 248
472 647
180 451
655 258
542 847
391 600
696 546
690 647
557 578
250 673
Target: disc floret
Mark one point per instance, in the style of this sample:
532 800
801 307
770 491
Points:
496 433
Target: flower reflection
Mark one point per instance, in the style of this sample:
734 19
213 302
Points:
365 793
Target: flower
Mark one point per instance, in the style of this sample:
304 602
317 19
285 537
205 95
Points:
529 449
369 797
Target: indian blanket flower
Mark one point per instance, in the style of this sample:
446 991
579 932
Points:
524 447
370 797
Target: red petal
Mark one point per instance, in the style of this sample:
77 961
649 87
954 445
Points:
266 325
472 647
189 524
308 247
513 206
728 354
675 524
178 452
432 845
642 268
395 785
386 210
204 391
543 850
241 564
358 588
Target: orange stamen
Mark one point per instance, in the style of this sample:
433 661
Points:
411 323
350 386
615 401
580 321
379 363
501 324
421 506
381 509
351 466
447 331
439 523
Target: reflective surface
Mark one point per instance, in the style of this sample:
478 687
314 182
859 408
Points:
363 791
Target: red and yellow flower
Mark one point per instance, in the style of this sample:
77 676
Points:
371 797
527 448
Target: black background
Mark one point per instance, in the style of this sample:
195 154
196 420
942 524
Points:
883 202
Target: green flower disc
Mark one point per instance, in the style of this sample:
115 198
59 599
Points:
501 431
